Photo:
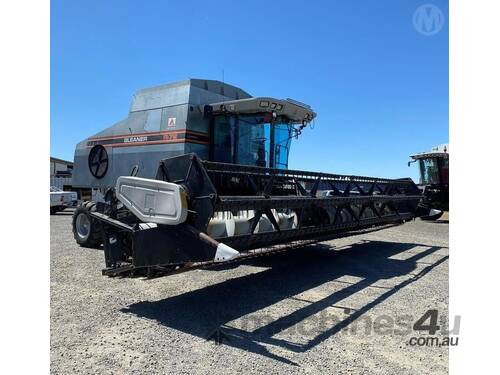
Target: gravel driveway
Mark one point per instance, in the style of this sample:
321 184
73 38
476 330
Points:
343 306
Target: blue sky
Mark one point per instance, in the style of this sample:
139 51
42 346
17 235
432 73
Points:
379 87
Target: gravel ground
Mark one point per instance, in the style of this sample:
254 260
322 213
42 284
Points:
345 306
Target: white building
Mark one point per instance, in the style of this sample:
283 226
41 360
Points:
60 173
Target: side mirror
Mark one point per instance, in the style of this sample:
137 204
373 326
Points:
411 161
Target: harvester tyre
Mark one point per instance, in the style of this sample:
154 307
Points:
86 230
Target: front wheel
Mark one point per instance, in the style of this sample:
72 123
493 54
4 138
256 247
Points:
86 230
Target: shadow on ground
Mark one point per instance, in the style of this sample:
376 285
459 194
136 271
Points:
206 312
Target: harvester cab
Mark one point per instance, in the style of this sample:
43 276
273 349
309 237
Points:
255 131
211 183
434 179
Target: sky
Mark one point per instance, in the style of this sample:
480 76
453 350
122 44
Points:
379 87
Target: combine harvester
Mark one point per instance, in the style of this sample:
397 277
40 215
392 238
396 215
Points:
197 174
434 180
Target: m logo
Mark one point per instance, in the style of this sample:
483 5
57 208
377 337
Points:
428 19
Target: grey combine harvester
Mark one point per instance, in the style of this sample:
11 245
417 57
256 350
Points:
198 174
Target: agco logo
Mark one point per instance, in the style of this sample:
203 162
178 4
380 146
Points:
428 19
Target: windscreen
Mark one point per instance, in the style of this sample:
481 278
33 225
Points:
429 171
246 140
282 141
